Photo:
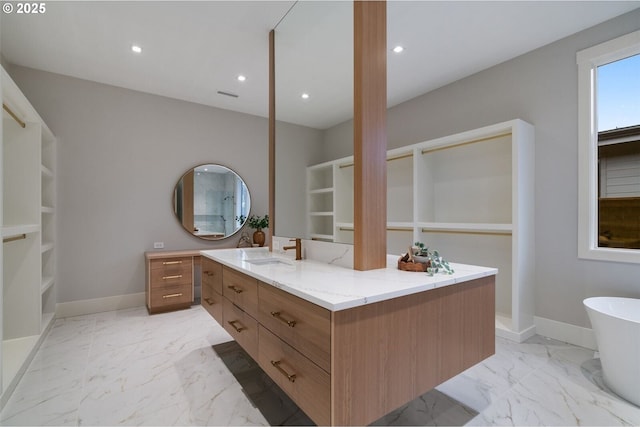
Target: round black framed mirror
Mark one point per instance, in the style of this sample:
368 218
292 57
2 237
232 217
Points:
209 200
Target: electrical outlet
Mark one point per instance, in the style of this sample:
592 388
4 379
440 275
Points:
158 245
276 245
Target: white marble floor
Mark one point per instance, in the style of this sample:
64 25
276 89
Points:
128 368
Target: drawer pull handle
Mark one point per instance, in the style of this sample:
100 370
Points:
178 276
209 301
171 262
172 295
238 329
234 289
290 323
209 273
290 377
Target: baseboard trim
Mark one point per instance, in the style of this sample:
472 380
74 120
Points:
516 336
572 334
98 305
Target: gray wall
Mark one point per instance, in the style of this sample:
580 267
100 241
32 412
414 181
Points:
120 154
296 148
541 88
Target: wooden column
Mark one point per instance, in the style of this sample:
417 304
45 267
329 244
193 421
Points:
370 134
272 137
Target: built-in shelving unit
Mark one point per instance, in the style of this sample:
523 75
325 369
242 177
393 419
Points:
28 233
469 195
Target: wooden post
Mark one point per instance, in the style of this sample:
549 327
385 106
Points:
370 134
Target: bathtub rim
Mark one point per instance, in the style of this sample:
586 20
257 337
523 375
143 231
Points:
591 304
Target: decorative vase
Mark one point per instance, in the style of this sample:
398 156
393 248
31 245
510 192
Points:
258 237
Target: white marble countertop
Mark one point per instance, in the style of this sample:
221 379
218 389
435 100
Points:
337 288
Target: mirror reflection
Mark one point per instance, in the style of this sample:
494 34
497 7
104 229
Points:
317 98
208 199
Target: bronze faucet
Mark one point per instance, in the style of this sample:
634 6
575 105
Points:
297 247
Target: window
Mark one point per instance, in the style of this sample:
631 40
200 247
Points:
609 150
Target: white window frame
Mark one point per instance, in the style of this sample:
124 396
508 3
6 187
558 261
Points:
588 61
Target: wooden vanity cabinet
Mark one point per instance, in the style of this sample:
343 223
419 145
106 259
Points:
169 281
304 325
240 289
240 307
305 382
241 326
212 288
353 366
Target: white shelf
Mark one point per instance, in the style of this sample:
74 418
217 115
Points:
467 195
466 227
47 283
400 224
17 230
344 226
28 259
326 237
321 190
46 172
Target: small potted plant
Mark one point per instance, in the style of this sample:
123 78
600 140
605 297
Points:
258 223
420 258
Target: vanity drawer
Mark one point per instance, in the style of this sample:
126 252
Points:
171 263
311 386
171 295
241 289
303 325
242 327
212 274
212 302
171 274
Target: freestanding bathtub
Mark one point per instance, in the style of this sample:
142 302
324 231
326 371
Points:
616 324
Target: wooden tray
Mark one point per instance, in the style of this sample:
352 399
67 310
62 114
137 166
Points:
404 265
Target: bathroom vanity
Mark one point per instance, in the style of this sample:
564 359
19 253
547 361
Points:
350 346
169 279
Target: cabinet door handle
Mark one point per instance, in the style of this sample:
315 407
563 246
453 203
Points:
178 276
171 262
290 377
238 329
290 323
172 295
235 289
209 301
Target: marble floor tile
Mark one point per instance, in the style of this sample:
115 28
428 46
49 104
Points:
181 368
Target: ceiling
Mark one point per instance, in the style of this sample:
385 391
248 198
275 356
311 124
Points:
192 50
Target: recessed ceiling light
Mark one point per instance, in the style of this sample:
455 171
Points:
241 78
398 49
305 96
135 48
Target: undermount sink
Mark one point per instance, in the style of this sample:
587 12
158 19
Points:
266 261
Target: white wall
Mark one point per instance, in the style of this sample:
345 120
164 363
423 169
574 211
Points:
541 88
120 154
